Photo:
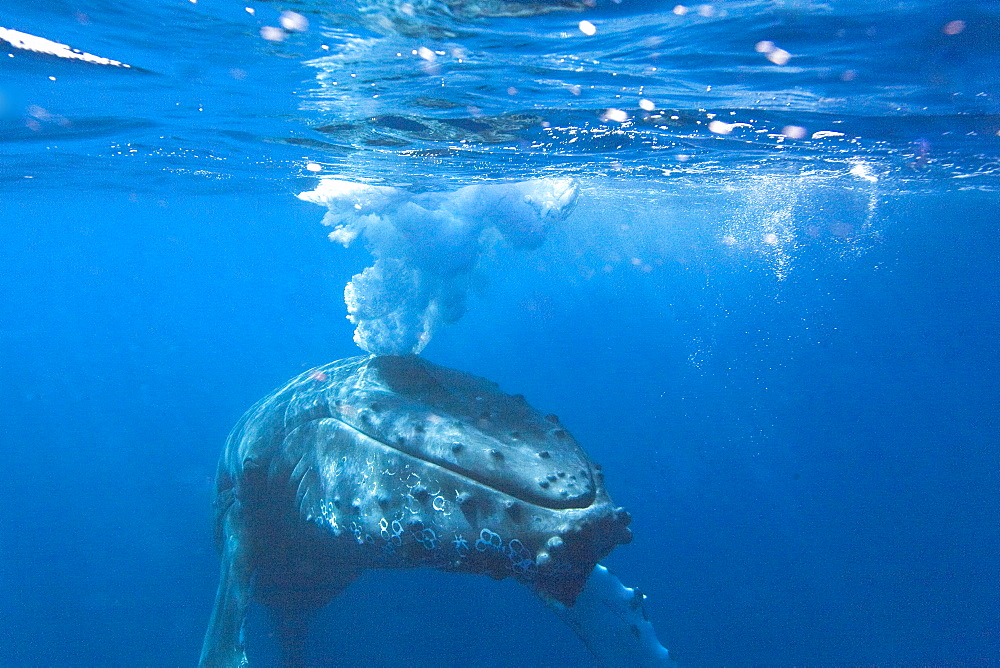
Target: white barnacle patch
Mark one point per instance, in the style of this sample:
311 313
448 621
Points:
412 505
391 534
521 561
396 528
441 505
489 540
383 525
327 515
331 472
428 538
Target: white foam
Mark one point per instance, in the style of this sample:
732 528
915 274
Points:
426 245
28 42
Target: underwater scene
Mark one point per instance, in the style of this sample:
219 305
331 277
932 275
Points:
499 333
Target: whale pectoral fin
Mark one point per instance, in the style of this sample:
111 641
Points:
223 646
610 619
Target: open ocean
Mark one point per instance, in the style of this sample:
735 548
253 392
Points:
772 312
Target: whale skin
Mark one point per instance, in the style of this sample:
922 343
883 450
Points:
395 462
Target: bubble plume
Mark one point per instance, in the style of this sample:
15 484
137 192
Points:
426 247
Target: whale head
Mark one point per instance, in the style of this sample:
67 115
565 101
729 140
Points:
403 463
395 462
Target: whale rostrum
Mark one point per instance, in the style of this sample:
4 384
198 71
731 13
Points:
395 462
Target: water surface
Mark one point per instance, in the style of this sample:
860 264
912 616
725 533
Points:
771 314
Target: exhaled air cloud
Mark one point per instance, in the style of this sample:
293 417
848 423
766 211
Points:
426 246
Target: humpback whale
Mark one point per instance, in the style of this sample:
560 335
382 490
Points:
395 462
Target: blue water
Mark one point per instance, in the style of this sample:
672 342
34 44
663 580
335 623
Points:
781 344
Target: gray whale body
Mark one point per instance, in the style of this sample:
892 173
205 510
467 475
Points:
395 462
